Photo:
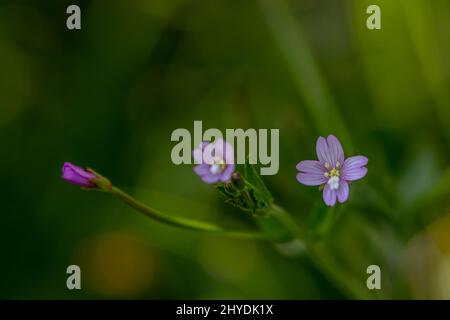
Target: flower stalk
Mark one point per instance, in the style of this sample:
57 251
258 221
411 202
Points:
88 179
246 191
182 222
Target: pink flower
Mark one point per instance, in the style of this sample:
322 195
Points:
332 171
215 161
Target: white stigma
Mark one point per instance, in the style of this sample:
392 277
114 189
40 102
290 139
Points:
333 182
217 166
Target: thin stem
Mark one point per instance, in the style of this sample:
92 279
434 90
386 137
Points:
285 230
316 256
184 223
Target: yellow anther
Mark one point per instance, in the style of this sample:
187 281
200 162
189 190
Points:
334 172
327 165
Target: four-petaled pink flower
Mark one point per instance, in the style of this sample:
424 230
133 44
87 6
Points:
215 161
332 171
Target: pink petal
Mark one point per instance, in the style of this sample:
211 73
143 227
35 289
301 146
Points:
226 175
322 150
225 151
211 178
311 166
209 152
198 153
79 171
309 179
353 168
311 173
77 175
335 149
202 169
198 156
343 191
329 150
329 196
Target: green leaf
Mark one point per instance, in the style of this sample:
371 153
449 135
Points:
253 179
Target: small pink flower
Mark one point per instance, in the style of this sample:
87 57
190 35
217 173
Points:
332 171
215 161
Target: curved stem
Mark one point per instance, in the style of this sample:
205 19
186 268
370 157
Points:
317 257
278 226
182 222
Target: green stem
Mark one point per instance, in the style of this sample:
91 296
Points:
317 256
184 223
278 226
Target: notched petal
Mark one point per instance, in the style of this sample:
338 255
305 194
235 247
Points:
311 166
354 168
322 150
343 192
335 149
329 196
310 179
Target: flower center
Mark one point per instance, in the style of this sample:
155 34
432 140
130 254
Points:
333 182
333 175
218 165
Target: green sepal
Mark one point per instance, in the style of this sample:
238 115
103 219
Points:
102 183
247 192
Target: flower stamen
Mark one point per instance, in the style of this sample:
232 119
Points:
333 177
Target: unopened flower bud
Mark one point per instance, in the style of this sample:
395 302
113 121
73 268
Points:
237 181
85 178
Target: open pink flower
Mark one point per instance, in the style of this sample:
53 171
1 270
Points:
332 171
215 161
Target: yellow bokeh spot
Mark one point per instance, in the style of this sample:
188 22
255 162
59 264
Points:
438 231
116 264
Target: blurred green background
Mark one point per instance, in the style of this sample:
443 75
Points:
109 95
